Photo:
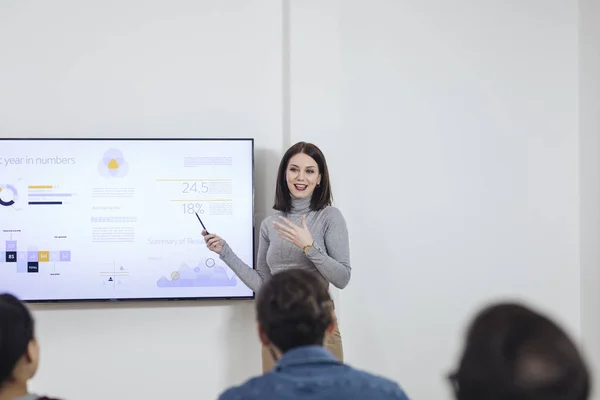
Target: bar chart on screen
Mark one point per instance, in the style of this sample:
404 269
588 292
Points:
48 195
28 258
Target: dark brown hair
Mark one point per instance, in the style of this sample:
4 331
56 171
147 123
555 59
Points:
16 331
514 353
321 197
294 309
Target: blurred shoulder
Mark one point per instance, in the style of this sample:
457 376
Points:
252 389
379 386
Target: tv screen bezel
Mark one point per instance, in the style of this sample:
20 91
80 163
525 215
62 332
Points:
156 139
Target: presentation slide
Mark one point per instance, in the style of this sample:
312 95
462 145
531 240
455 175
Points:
117 219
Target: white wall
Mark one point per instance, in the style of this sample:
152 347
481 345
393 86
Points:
452 135
589 164
452 132
145 68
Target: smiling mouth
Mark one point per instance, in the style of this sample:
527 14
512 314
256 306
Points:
300 188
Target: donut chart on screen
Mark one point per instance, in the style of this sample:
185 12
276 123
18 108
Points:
8 195
115 219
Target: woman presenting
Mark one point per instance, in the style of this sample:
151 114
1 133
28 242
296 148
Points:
307 232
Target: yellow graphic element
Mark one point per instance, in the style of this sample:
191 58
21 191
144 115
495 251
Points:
0 189
43 256
113 164
40 187
175 275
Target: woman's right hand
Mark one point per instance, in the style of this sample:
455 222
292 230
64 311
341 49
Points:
213 242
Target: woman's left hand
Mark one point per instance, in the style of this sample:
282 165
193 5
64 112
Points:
297 235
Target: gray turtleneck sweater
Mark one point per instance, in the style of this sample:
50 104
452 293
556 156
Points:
329 257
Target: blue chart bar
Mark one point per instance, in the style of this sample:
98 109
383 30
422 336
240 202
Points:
44 203
50 194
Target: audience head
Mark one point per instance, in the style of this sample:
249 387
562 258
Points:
294 309
303 173
19 352
513 353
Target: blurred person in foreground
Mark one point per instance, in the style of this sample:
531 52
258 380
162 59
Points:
19 350
515 353
295 314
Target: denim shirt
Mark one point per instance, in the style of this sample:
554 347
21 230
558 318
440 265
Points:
312 372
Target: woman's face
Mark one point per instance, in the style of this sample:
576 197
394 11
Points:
302 175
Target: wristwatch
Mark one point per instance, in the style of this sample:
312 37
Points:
307 248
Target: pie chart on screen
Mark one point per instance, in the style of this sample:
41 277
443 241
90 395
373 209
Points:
8 195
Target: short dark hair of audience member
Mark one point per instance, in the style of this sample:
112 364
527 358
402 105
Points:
514 353
294 309
19 350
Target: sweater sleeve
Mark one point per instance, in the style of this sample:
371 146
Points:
333 262
253 278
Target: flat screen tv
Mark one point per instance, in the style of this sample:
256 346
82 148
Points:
94 219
